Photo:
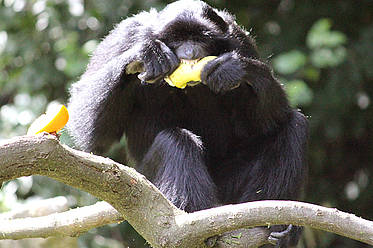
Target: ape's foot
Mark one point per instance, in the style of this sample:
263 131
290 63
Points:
280 239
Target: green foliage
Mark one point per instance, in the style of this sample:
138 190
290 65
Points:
44 47
320 35
326 45
290 62
325 49
324 57
299 93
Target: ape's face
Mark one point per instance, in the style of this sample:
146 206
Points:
193 36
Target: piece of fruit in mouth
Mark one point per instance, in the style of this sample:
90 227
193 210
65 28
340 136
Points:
188 72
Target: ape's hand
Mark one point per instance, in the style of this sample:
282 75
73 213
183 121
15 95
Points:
157 61
224 73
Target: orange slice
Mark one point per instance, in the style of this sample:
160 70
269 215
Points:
51 122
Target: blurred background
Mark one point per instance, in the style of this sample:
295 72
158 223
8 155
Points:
322 51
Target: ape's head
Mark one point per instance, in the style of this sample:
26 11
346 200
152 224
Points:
193 29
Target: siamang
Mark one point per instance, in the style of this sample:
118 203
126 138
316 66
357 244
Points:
230 139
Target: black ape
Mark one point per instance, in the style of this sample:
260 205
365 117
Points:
231 139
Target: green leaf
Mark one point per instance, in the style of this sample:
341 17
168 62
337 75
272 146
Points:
299 93
311 73
320 35
326 57
290 62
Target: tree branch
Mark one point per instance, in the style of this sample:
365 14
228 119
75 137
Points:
271 212
126 190
70 223
147 210
38 208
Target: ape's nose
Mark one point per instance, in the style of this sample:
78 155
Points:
190 50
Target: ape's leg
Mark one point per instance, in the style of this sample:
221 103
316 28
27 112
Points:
279 170
175 164
279 173
271 168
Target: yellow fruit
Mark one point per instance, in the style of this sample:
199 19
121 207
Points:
51 122
188 71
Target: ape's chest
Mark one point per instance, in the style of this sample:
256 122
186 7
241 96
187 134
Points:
197 108
221 121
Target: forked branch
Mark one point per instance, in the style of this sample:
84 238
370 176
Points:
135 199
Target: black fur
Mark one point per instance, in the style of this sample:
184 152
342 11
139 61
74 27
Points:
231 139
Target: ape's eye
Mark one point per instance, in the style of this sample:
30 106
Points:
174 44
207 33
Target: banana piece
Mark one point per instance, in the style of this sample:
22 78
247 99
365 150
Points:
188 71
